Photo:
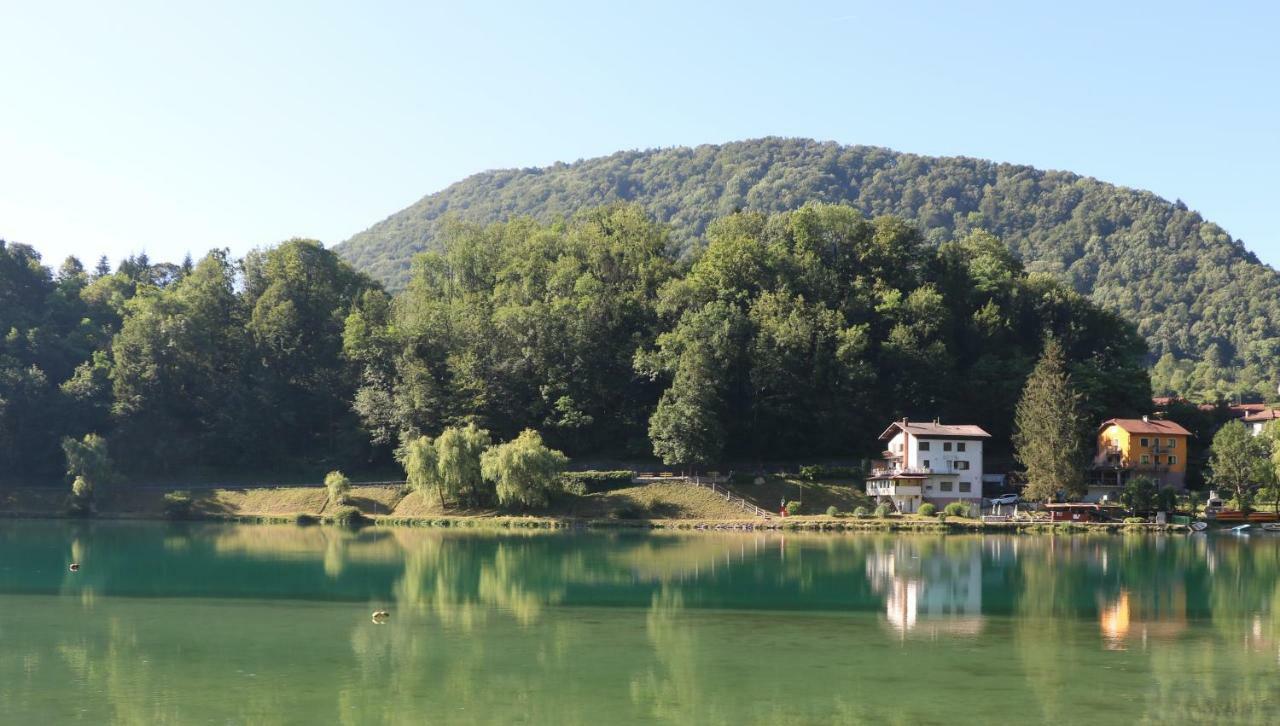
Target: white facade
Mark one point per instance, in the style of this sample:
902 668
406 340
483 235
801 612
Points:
925 464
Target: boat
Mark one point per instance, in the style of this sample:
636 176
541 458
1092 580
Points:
1272 526
1240 528
1198 526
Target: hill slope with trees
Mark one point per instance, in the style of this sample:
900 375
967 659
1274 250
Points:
1208 309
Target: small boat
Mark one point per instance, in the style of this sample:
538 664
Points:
1240 528
1198 526
380 616
74 567
1272 526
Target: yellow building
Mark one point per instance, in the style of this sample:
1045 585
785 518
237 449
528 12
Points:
1146 447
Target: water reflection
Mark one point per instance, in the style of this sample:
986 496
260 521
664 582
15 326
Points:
538 626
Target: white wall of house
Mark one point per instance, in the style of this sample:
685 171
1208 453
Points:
960 459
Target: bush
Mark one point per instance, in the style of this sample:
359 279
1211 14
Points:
177 505
832 511
81 502
590 482
956 509
928 509
860 512
793 508
883 510
339 487
302 519
1135 520
348 517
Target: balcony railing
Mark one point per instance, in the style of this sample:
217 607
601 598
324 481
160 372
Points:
902 471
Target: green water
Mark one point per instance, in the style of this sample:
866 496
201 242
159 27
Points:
271 625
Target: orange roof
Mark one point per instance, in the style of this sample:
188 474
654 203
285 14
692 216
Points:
1149 426
1267 415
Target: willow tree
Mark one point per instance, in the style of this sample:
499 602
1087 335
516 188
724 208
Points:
458 453
1047 430
523 471
419 459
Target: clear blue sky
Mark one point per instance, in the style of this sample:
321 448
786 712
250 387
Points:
138 126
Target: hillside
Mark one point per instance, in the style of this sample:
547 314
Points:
1192 291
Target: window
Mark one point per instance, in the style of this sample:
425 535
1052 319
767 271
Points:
966 486
925 463
959 446
928 487
960 465
1173 459
946 446
1146 459
1173 443
946 486
1144 442
924 445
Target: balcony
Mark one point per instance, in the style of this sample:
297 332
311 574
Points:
893 487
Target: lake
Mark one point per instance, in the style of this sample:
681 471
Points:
270 624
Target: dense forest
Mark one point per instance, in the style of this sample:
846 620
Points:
784 336
1208 310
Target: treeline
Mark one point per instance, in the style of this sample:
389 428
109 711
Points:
1207 308
792 335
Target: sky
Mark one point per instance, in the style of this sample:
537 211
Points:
168 127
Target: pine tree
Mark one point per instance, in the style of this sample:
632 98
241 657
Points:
1048 424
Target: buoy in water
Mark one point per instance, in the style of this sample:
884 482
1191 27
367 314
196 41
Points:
74 567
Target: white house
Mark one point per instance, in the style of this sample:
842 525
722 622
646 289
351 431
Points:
1258 420
928 462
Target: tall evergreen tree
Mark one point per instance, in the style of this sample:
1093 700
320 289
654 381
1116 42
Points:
1048 425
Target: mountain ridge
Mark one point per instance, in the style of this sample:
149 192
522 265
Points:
1206 305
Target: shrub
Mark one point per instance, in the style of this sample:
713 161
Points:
928 509
883 510
590 482
1135 520
339 487
860 512
956 509
832 511
348 517
177 505
302 519
81 502
793 508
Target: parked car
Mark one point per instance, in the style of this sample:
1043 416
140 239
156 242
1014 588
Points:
1006 499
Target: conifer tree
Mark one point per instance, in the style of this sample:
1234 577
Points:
1047 427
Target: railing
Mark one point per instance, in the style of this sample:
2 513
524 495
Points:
903 471
730 497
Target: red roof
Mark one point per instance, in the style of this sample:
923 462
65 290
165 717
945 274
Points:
1268 415
1148 426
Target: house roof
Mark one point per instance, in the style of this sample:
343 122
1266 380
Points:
1149 426
1268 415
935 430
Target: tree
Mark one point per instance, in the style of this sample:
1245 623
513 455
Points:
1048 430
458 452
1139 494
1238 462
338 486
524 471
89 467
421 469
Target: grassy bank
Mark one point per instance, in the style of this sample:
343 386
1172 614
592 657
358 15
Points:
661 505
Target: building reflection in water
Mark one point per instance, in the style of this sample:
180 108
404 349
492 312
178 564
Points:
929 591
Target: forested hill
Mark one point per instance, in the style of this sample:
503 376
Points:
1193 292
